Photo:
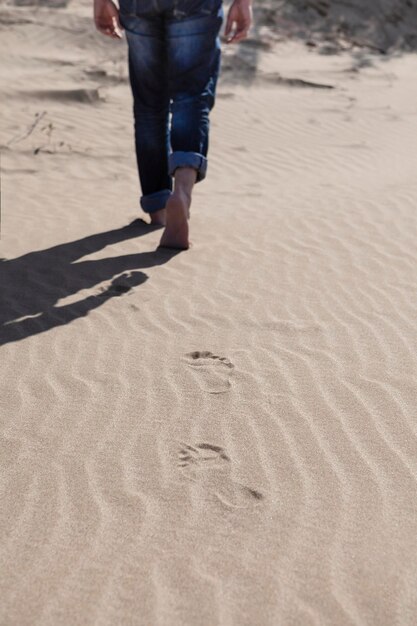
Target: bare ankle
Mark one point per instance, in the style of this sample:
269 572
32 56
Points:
158 218
185 179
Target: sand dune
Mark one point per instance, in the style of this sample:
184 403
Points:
224 436
376 24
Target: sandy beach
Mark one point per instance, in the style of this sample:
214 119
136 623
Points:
225 436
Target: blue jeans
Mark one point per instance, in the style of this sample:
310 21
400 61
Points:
174 61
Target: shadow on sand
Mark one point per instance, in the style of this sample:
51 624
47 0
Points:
32 284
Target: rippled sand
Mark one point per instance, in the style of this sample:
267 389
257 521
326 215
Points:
225 436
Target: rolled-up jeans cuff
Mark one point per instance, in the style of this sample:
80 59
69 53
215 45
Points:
188 159
155 201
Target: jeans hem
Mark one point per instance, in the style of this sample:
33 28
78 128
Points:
188 159
155 201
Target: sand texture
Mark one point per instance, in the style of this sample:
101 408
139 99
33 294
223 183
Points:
225 436
381 25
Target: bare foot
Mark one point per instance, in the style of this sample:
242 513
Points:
178 210
175 234
158 218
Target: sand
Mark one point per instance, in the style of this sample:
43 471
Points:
224 436
382 25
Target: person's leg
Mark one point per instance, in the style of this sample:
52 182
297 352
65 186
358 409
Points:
147 71
178 206
193 66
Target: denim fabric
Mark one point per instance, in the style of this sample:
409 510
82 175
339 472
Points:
174 61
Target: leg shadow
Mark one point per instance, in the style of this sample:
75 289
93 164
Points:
31 285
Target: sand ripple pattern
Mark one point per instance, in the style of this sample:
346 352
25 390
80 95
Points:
223 437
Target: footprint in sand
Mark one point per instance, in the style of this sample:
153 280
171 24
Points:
210 465
213 371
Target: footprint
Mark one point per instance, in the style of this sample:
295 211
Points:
213 371
210 466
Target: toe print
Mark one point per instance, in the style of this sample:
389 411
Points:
210 466
202 456
213 372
